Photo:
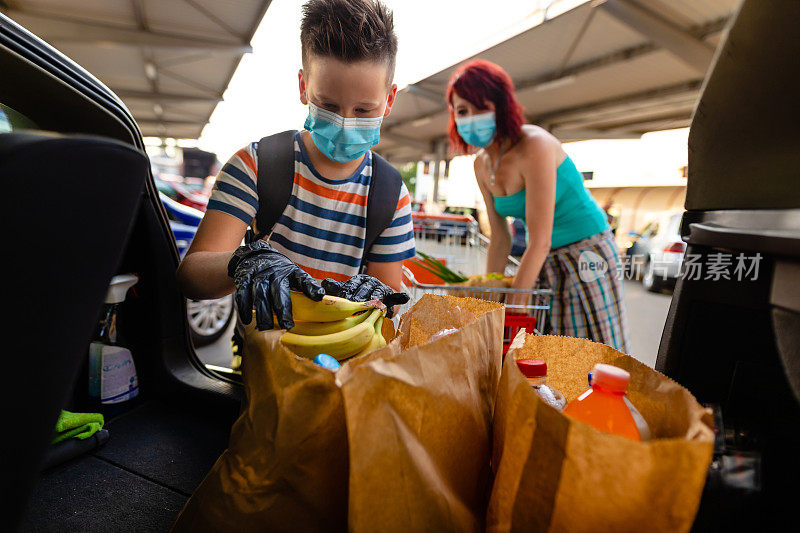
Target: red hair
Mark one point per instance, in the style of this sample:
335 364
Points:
476 82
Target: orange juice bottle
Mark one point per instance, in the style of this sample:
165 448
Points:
603 406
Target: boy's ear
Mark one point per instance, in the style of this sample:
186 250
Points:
390 100
302 82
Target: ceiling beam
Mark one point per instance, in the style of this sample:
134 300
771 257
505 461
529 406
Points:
170 134
663 122
570 134
685 46
689 88
139 14
212 17
422 92
65 30
635 113
619 56
145 123
613 58
132 94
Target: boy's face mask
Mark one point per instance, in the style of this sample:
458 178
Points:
342 139
477 130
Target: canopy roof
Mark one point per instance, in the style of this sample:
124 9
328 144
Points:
605 69
169 61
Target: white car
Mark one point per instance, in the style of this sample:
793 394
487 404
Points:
657 252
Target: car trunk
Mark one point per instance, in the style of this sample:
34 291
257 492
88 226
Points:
735 343
162 443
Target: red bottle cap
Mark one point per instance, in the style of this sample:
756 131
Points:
610 378
532 368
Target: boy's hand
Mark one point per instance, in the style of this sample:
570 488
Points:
362 288
263 278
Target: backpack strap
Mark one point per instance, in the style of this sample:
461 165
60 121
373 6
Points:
274 188
274 180
384 193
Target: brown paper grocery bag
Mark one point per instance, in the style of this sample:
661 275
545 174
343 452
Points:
288 464
553 473
419 420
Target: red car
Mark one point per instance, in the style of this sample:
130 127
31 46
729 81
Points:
187 193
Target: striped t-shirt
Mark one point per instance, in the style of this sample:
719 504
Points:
323 226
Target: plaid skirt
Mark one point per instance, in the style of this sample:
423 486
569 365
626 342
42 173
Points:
587 289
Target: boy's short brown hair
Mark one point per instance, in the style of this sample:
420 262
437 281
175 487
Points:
349 30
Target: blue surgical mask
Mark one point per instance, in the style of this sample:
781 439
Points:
477 130
342 139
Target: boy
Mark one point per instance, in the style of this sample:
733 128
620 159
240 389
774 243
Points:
320 233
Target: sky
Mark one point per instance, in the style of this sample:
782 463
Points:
263 98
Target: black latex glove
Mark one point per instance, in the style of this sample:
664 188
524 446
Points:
362 288
263 278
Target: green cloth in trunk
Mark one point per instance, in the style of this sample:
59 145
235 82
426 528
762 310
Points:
77 425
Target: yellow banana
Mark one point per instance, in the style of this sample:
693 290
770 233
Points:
372 345
377 342
329 309
340 345
325 328
379 331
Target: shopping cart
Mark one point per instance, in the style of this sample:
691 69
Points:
452 237
456 241
531 315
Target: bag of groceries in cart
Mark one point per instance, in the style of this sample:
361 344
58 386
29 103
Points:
398 438
553 472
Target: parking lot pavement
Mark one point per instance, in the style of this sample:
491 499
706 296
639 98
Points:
218 353
647 313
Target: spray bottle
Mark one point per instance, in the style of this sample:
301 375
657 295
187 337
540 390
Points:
112 374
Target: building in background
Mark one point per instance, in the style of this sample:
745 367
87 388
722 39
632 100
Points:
634 180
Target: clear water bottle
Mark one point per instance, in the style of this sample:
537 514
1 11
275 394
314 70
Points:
535 371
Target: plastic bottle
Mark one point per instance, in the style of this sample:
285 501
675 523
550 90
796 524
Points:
644 429
605 407
326 361
535 371
112 373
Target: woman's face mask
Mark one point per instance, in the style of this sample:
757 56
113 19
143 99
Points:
477 130
342 139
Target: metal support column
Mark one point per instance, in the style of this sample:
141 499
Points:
438 158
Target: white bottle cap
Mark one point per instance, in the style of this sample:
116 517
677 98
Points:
119 287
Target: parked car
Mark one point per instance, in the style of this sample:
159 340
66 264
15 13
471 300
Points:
733 343
519 236
103 217
449 227
460 210
191 193
657 252
208 319
732 332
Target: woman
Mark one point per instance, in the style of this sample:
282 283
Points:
523 172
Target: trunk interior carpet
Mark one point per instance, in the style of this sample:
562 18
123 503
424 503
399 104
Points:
155 457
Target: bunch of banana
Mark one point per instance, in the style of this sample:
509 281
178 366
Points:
333 326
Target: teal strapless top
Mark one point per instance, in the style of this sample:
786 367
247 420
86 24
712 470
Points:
577 216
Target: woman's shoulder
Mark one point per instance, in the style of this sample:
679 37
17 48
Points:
537 137
481 159
536 140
